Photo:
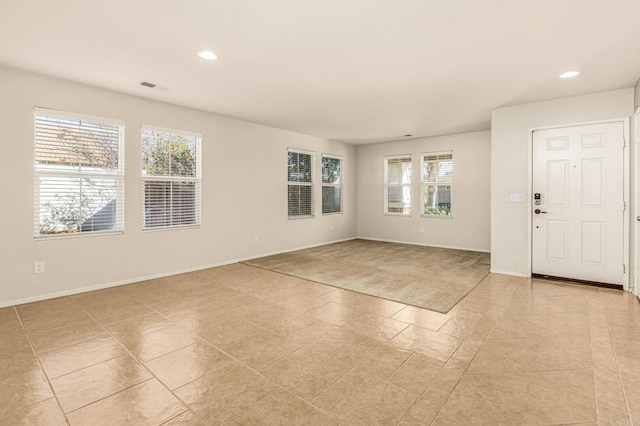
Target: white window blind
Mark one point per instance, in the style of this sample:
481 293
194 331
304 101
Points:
300 179
332 178
397 185
79 174
437 183
171 178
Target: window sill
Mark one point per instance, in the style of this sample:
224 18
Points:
432 216
76 235
333 214
301 217
398 214
170 228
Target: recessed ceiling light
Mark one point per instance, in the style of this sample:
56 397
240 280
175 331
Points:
208 55
569 74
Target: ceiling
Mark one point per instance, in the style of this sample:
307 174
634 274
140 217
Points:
359 71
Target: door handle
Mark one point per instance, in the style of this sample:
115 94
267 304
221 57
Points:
638 218
538 211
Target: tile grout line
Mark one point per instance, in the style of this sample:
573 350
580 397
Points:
63 326
460 378
257 298
279 386
331 385
624 391
240 413
593 367
153 376
313 405
487 401
615 356
484 341
228 355
290 393
107 396
462 375
46 376
595 380
259 373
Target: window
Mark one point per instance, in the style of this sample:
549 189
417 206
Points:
331 184
171 178
437 180
300 183
397 188
79 174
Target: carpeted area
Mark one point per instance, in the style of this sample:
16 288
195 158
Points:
427 277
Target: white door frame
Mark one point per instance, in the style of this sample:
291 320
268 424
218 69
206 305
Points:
626 192
636 212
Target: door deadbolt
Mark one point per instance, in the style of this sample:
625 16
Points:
537 199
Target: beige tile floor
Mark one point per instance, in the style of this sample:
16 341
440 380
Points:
242 345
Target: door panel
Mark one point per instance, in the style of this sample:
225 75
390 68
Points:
593 182
596 140
578 230
558 178
557 241
593 243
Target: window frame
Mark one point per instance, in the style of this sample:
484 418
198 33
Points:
387 185
197 179
118 176
297 183
339 185
424 183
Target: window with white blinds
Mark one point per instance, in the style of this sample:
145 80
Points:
331 184
171 178
79 174
300 179
397 185
437 182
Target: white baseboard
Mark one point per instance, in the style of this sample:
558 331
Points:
425 245
515 274
102 286
294 249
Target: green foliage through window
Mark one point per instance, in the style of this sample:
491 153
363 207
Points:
168 154
300 184
331 185
171 179
437 181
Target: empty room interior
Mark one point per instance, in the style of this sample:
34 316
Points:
342 212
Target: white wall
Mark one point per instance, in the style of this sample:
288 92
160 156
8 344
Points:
244 193
510 160
469 227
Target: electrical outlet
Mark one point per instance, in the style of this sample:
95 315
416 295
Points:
332 228
38 267
422 229
256 238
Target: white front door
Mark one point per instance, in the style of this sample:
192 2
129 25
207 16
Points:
578 225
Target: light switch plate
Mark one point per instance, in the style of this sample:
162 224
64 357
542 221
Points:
516 198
